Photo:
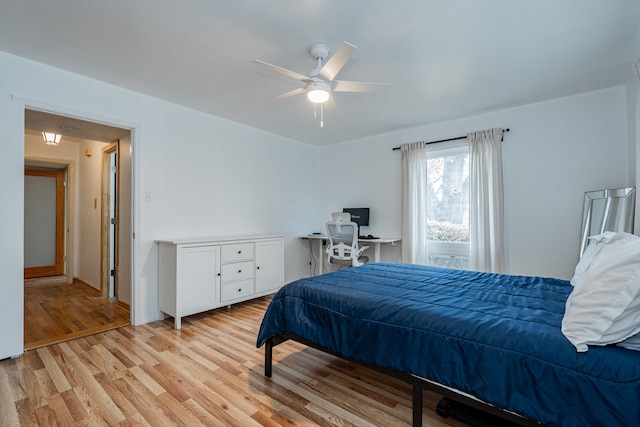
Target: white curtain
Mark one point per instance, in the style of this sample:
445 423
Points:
414 203
636 141
486 202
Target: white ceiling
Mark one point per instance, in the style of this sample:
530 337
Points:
443 59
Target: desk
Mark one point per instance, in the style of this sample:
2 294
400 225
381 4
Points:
318 239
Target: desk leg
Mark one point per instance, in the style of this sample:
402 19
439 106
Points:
376 252
320 255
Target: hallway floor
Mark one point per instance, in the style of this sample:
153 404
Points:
55 311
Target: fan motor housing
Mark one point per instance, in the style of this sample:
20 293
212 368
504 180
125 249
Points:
319 50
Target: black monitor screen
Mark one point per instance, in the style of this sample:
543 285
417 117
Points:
359 215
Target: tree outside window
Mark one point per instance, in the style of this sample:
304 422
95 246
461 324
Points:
448 207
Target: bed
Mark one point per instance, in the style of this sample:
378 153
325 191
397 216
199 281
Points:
489 339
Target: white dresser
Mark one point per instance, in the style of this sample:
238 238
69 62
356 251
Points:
201 274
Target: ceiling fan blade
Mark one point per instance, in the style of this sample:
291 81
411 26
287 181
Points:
334 64
348 86
290 93
284 71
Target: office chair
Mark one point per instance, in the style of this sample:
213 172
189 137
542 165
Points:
343 247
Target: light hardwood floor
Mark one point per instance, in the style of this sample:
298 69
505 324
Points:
55 311
208 373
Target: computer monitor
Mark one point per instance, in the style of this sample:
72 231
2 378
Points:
359 215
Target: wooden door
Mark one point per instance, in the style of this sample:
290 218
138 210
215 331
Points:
43 223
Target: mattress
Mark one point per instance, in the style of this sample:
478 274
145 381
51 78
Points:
496 337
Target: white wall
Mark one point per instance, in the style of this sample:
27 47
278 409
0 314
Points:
556 151
208 176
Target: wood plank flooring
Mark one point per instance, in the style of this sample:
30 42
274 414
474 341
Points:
208 373
55 311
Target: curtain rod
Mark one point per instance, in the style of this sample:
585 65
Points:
449 139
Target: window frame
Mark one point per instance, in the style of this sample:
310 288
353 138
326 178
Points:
438 248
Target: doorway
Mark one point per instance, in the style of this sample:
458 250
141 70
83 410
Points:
81 302
44 211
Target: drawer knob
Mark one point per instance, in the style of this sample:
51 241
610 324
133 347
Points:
258 268
239 289
239 252
239 271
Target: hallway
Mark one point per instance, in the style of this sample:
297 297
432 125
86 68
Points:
55 311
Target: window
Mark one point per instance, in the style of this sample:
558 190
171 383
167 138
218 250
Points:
448 207
448 190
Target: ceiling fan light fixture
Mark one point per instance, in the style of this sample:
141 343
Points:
318 92
51 138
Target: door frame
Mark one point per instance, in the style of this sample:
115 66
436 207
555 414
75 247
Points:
69 217
58 267
105 219
134 181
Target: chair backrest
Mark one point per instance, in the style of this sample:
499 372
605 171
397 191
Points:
345 233
343 244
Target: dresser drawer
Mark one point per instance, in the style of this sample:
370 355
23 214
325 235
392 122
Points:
235 290
237 252
238 271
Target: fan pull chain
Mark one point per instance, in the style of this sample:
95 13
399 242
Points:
315 114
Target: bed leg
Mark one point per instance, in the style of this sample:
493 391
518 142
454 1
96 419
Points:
268 358
417 405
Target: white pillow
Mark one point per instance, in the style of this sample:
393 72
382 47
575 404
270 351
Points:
604 306
596 243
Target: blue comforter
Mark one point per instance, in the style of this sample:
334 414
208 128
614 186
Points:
494 336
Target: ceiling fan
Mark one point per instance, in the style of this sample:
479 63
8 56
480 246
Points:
320 83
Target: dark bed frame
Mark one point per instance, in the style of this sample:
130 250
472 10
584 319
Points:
417 384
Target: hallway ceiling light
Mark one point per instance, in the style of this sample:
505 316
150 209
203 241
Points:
51 138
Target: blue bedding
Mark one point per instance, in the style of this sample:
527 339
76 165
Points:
496 337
